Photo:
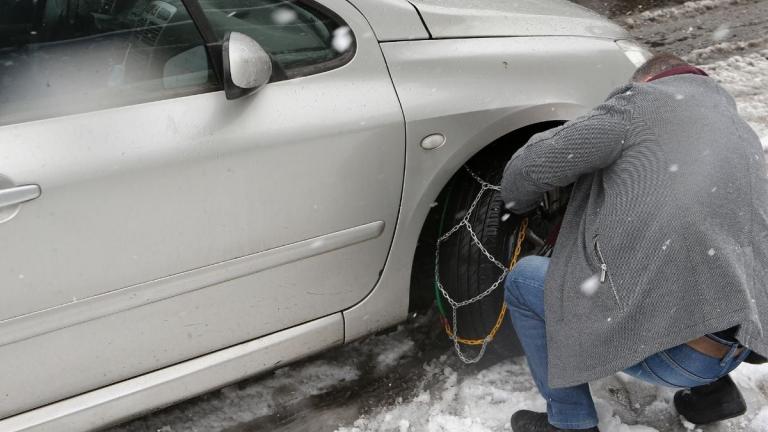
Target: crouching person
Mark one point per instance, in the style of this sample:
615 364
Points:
661 265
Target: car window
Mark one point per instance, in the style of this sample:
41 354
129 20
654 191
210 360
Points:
302 37
62 57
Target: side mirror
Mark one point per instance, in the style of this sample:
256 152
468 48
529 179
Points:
247 67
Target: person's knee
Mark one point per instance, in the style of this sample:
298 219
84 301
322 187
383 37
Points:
527 274
530 268
511 291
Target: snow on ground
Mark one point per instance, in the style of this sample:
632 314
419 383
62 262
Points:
701 55
746 78
447 400
704 31
687 9
475 403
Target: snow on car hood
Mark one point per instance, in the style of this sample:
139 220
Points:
483 18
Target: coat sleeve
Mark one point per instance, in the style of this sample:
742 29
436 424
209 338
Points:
558 157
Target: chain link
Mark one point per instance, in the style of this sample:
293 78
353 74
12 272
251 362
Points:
455 305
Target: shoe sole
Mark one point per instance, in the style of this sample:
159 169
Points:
728 415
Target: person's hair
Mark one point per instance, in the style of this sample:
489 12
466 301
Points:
656 65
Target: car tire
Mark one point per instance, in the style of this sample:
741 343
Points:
465 271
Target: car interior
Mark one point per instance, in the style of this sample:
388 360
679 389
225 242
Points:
67 56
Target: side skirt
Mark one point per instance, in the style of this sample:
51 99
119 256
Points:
126 399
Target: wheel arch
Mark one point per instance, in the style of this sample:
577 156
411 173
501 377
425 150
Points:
477 93
503 147
388 302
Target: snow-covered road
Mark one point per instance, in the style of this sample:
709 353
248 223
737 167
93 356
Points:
746 78
452 399
409 379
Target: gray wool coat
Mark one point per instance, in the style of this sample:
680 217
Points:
669 205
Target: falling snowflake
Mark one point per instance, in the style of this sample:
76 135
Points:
284 16
570 155
504 217
509 205
711 252
590 285
666 244
342 39
679 97
722 32
673 168
403 425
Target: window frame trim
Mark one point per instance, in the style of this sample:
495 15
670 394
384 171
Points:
334 63
215 54
212 46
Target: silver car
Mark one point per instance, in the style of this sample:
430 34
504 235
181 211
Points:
196 191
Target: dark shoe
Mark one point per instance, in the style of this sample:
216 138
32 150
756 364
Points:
711 403
755 358
529 421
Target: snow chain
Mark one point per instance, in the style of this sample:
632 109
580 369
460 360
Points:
452 330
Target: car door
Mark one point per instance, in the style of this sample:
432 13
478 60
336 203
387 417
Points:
146 219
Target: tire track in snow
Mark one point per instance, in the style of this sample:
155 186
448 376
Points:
691 9
705 30
724 49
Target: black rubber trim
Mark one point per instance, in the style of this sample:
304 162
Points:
424 23
212 45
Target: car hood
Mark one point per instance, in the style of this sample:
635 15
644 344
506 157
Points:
486 18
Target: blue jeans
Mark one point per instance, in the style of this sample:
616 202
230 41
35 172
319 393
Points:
572 407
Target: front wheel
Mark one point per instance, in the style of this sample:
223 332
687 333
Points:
473 212
466 271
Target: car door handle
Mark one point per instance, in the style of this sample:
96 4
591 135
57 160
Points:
18 195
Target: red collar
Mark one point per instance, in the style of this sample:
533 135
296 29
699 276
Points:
678 70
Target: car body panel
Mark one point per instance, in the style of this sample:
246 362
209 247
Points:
187 223
116 402
392 20
114 302
486 18
474 91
